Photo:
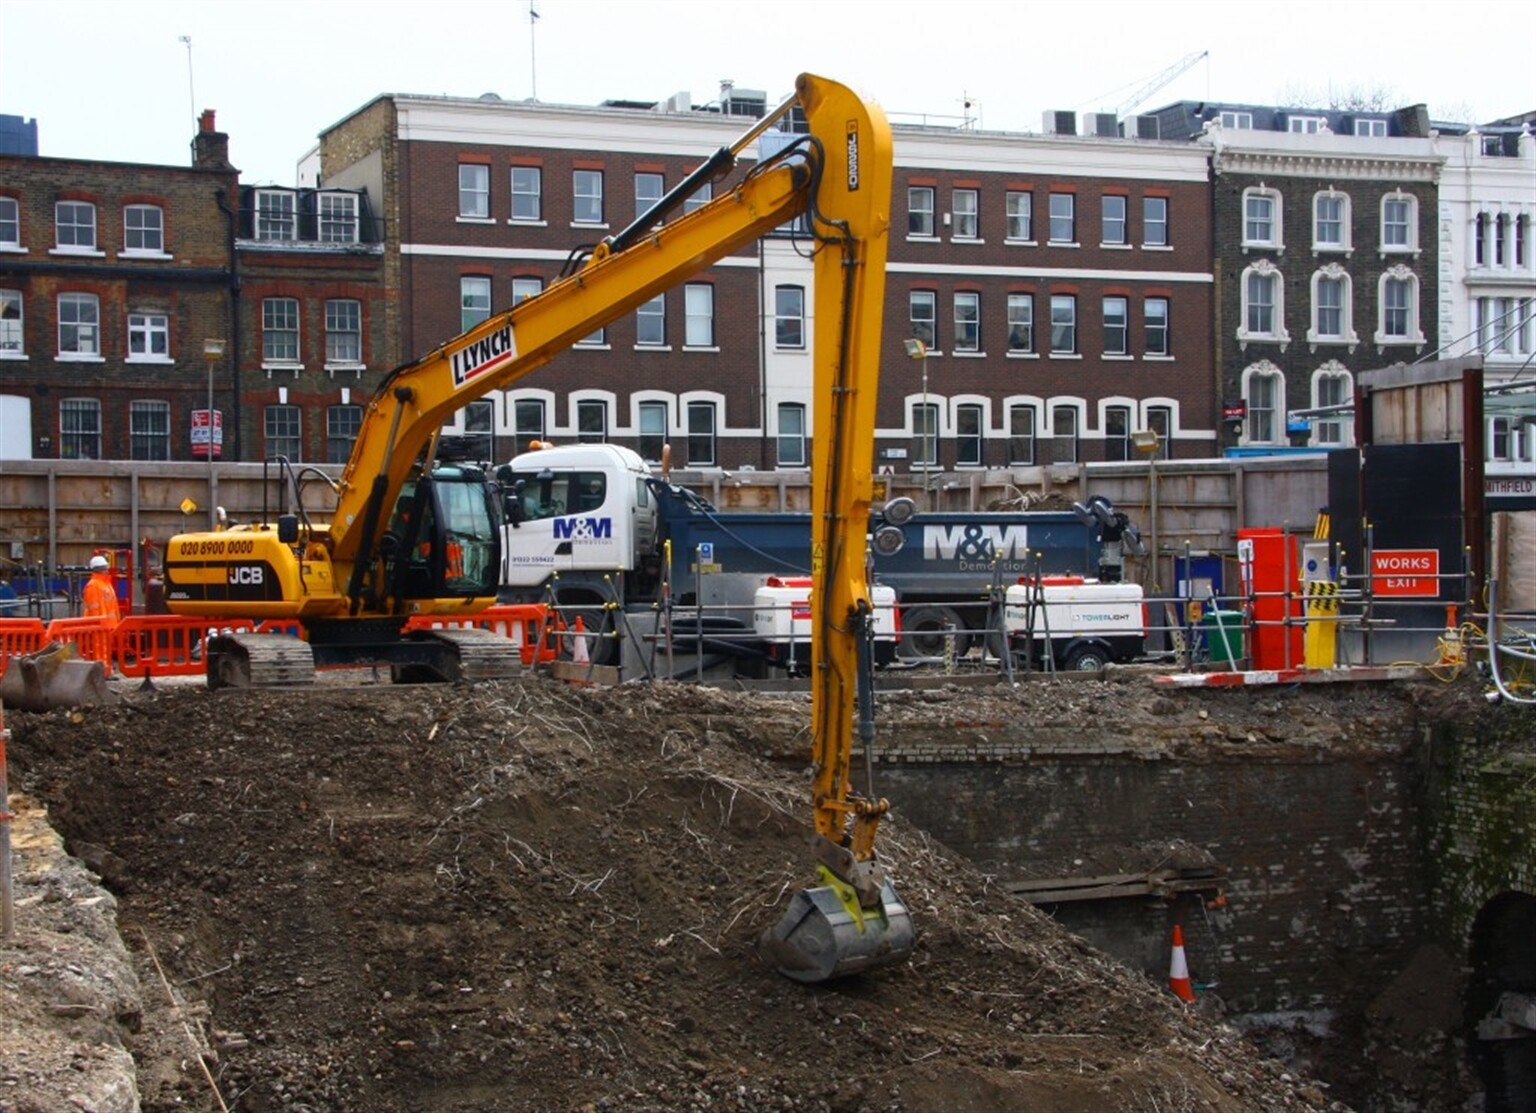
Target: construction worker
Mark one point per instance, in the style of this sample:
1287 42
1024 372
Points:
99 598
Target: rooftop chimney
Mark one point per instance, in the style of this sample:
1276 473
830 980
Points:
210 148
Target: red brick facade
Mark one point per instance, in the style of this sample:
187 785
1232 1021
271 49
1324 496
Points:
1163 261
439 240
107 302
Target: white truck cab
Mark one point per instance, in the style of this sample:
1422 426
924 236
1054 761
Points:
579 507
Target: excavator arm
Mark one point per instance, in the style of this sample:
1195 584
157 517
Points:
853 920
619 275
334 571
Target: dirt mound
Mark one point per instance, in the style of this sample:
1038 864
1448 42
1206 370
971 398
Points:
531 896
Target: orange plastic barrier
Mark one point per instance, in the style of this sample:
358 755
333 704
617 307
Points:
524 623
170 644
20 636
92 637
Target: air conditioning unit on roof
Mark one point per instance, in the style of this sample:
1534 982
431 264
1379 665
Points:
1141 127
1102 124
746 102
1059 123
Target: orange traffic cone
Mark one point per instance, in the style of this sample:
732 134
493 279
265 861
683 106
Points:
579 644
1178 970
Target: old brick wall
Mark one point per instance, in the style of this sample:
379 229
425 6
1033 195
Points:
1480 821
359 152
1349 844
1323 893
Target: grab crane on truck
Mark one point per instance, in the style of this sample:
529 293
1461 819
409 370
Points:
409 537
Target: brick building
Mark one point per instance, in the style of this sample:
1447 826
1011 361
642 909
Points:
112 276
1063 287
1326 253
312 310
484 201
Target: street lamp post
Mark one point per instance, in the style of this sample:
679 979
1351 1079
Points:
213 351
1149 443
916 349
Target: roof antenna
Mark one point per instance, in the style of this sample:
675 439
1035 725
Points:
191 93
533 53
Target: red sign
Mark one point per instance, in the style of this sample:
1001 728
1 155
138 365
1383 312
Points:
200 437
1409 572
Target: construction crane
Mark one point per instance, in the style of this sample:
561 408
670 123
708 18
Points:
1158 81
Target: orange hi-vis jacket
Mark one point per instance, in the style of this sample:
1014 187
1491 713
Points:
99 598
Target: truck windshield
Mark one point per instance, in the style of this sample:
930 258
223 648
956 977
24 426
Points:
549 495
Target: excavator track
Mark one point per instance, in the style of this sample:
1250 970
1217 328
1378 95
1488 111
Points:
482 655
259 661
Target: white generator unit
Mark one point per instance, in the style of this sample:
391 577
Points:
781 619
1085 623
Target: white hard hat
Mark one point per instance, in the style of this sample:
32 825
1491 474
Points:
98 563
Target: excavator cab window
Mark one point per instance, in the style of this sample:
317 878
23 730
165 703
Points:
444 538
407 544
470 536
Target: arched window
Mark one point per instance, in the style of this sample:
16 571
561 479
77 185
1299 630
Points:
1398 296
792 435
1264 397
1262 225
1333 319
1331 222
1262 293
1399 223
1332 385
1022 423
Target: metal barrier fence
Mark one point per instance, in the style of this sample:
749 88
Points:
1220 633
1318 625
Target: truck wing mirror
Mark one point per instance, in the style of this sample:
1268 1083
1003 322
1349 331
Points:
513 501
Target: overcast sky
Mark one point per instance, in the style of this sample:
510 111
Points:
109 79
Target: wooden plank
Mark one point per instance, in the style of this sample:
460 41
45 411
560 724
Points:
1159 883
1105 892
1074 882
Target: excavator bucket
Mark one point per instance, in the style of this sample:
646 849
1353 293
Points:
53 677
825 934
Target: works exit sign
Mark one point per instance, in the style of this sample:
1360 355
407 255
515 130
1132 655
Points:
1406 572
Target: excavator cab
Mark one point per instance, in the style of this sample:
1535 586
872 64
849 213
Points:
443 540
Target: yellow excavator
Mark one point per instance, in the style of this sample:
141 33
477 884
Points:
410 536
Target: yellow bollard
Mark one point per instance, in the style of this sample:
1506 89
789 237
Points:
1321 638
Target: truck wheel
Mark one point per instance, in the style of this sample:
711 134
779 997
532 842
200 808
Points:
1086 658
923 632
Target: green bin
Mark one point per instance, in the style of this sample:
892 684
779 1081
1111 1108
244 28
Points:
1224 638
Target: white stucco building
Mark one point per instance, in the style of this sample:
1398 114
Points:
1488 277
